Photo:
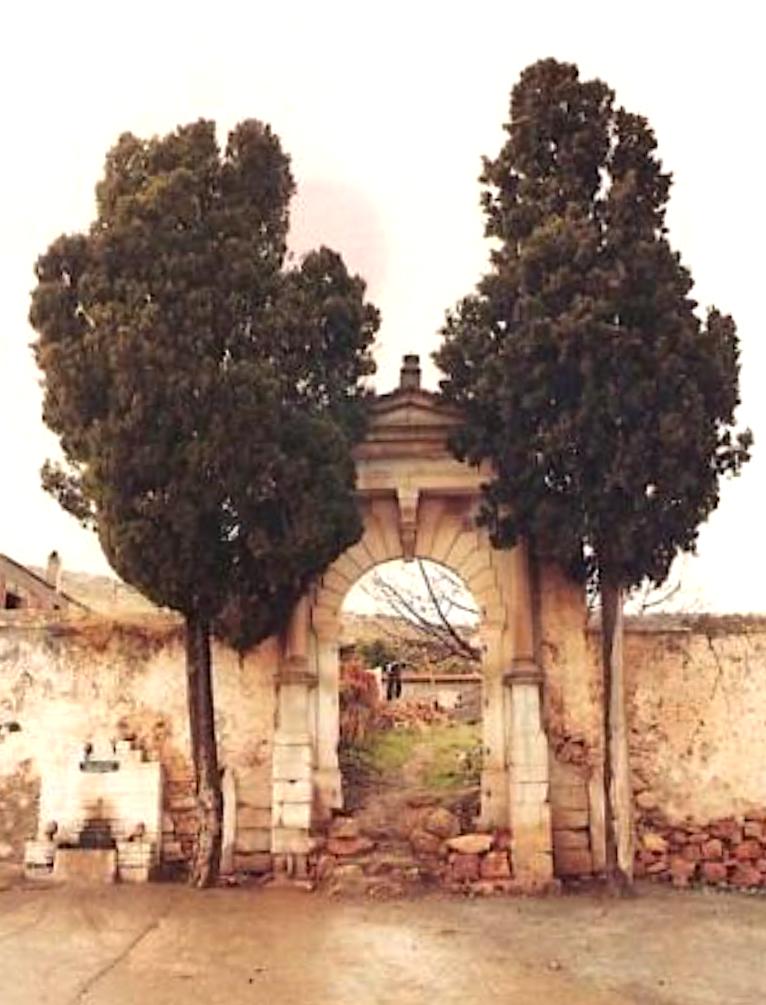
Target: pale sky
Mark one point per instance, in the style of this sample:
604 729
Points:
386 110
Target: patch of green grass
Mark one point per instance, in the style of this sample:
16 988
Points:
375 762
450 755
391 749
455 761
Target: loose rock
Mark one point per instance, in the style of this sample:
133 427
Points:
464 868
470 844
424 843
442 823
344 827
495 865
654 842
344 847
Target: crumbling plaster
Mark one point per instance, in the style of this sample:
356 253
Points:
697 711
68 681
696 701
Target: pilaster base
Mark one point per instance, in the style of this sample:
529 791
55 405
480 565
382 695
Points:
531 844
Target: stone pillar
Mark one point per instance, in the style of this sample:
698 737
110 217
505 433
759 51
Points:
228 843
597 818
327 779
522 633
292 758
494 774
528 780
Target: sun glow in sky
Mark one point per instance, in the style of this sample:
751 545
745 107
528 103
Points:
386 110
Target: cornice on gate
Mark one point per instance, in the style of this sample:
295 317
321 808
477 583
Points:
406 448
410 422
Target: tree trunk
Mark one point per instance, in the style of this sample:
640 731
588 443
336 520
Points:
618 795
204 753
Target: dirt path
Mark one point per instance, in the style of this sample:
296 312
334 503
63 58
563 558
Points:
165 945
401 785
386 806
415 768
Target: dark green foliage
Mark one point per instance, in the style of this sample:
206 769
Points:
206 398
376 653
205 394
586 378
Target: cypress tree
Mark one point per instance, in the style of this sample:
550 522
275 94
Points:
207 394
585 375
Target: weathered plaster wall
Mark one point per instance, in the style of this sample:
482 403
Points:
696 695
68 681
697 712
696 702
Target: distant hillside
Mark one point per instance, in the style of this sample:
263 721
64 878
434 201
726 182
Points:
406 642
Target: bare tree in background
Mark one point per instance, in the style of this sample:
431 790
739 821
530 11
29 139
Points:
438 612
678 595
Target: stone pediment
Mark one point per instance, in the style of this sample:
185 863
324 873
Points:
412 410
406 449
408 420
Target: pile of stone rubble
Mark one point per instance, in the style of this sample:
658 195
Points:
432 854
409 713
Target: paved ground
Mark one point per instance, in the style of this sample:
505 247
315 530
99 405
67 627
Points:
163 945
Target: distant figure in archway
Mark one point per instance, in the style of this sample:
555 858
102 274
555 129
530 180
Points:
392 673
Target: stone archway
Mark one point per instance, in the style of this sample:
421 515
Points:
418 501
444 534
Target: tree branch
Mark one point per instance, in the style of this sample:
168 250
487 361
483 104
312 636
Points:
465 647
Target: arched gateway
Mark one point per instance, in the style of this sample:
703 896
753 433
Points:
418 501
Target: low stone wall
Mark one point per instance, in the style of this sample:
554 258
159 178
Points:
421 845
451 692
67 681
727 852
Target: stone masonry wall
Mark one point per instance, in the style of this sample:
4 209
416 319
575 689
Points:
696 704
697 714
67 681
696 694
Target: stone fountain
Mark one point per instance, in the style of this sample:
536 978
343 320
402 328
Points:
100 817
